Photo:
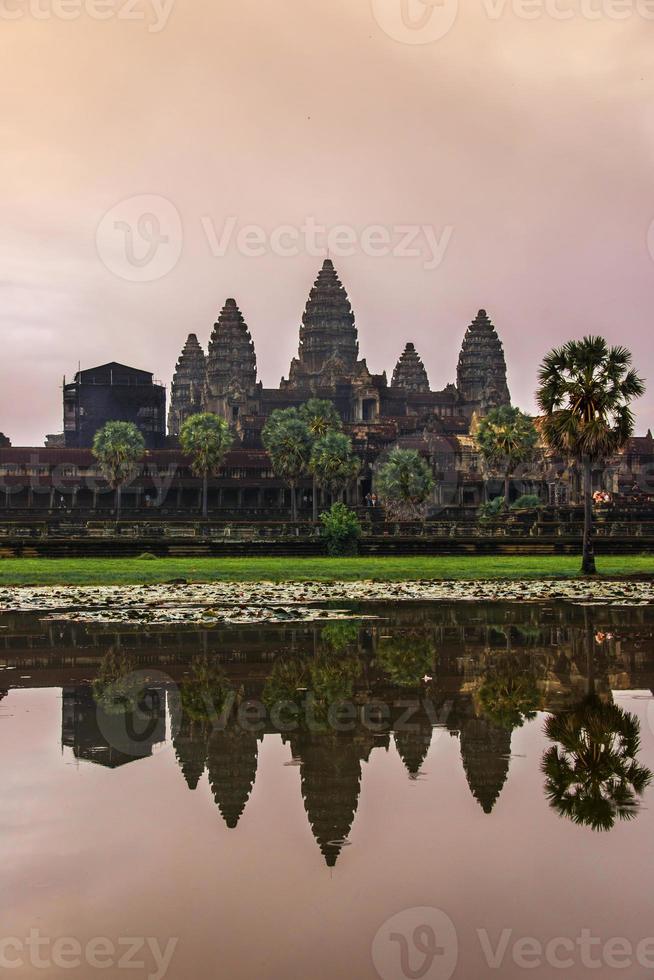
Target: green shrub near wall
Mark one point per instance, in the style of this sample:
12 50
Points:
342 530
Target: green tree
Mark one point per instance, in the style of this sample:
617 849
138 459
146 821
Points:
406 658
508 696
321 417
342 530
287 440
404 483
592 773
207 694
118 446
505 438
333 464
586 388
207 440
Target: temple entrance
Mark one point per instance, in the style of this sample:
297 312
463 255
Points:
369 409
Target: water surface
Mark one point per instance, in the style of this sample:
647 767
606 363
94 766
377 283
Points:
270 797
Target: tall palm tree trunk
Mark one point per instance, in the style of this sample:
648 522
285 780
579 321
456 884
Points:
589 644
293 503
315 500
205 495
119 498
507 490
588 562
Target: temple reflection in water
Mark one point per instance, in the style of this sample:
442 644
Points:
339 693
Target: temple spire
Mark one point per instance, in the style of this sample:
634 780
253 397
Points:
481 375
231 365
232 759
486 754
328 335
410 372
188 384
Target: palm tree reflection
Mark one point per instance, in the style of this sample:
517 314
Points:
592 774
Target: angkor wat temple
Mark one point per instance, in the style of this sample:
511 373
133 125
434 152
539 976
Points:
65 477
328 366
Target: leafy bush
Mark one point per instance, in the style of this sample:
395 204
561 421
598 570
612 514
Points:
406 659
492 508
342 530
528 501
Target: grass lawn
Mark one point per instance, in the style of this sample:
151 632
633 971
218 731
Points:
115 571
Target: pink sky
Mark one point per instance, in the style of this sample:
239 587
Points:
528 142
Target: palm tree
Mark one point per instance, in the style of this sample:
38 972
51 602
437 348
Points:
321 417
405 482
287 440
592 775
333 465
586 388
506 438
118 446
207 439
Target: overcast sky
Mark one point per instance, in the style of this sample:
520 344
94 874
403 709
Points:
160 157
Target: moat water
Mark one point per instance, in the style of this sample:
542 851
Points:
425 790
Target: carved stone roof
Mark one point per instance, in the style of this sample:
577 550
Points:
232 359
188 384
481 375
328 335
410 372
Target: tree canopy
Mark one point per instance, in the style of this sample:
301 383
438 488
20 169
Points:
118 446
333 462
593 776
404 482
585 391
505 438
287 440
207 440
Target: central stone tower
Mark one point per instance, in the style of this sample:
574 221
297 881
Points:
410 373
329 346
